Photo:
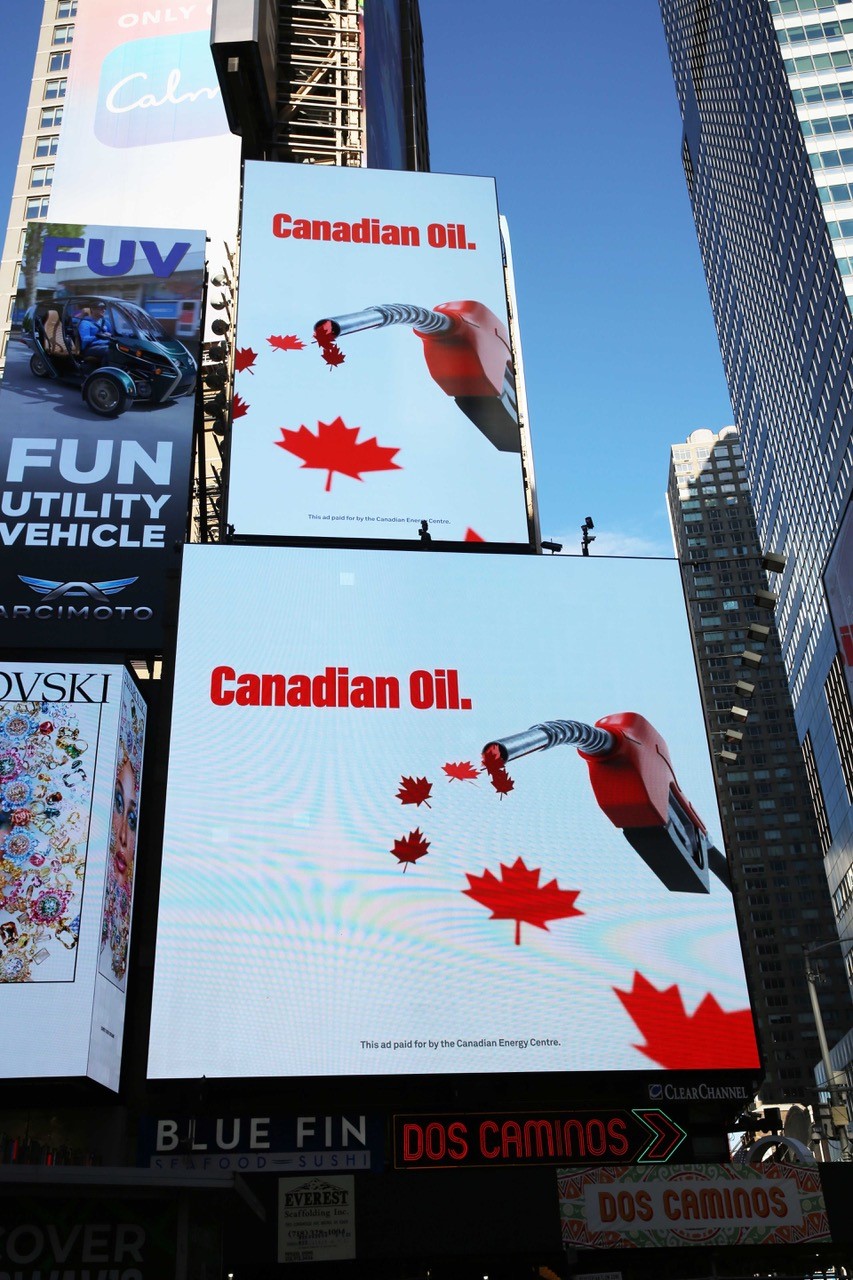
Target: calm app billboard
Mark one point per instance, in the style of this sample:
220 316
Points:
144 134
71 743
375 382
384 851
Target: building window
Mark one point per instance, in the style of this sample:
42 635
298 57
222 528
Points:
59 62
824 833
839 715
63 35
36 207
46 146
66 9
55 89
50 118
41 175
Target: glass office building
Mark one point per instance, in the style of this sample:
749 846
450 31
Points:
766 96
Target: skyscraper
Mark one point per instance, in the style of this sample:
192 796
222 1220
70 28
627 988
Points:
760 88
769 829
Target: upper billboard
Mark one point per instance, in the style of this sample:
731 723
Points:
388 898
384 94
71 742
144 133
97 401
375 384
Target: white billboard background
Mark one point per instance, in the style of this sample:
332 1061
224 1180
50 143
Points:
60 761
445 470
292 942
145 140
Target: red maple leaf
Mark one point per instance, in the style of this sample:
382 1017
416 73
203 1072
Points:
415 791
324 336
462 772
471 536
708 1038
334 448
519 896
239 407
493 761
285 342
502 782
244 358
409 848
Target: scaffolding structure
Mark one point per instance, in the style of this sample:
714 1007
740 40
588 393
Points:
321 117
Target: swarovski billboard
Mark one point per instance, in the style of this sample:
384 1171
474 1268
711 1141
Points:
71 744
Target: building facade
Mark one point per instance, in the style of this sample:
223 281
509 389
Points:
769 829
760 87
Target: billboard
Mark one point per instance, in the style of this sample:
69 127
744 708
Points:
97 405
384 94
71 742
666 1206
144 134
375 383
838 584
385 898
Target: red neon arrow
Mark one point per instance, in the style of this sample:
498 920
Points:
667 1136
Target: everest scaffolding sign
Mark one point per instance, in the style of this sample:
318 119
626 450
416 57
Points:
664 1206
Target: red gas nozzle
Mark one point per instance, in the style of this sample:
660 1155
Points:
635 786
468 354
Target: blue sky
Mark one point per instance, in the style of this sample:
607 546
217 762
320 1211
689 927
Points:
577 120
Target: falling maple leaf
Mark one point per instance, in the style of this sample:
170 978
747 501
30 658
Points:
239 407
409 848
415 791
502 782
493 761
324 336
519 896
286 342
334 448
333 355
244 358
679 1041
462 772
471 536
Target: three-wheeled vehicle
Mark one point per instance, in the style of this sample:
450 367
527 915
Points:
136 360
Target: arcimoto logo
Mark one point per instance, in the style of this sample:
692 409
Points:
76 599
97 591
159 90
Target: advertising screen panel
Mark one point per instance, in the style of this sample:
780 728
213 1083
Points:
383 899
97 407
375 384
144 134
384 98
71 742
665 1206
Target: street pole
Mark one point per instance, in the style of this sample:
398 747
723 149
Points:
837 1099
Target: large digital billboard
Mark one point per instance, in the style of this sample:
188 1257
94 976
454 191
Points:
144 133
97 406
375 382
71 743
352 885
